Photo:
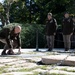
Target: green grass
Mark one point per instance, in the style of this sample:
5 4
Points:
52 53
9 74
26 69
35 73
50 74
30 61
44 67
3 70
65 69
31 52
71 70
56 74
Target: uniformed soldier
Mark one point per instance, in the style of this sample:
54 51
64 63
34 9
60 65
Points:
11 38
67 30
51 26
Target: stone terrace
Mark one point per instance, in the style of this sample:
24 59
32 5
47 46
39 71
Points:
27 63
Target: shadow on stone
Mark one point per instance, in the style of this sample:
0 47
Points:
40 63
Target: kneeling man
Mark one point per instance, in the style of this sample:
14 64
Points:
11 38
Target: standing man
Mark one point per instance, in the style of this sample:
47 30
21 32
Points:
67 30
51 26
11 38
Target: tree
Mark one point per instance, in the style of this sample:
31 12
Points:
7 6
4 11
71 7
2 14
23 11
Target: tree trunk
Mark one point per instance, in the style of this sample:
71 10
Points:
7 15
2 20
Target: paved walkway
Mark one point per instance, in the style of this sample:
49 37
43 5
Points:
26 63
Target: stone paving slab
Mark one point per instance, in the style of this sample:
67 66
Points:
53 59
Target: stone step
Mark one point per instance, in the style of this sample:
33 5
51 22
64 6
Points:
53 59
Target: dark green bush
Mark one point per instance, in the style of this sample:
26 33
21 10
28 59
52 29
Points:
28 35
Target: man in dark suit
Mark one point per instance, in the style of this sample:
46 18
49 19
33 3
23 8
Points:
67 29
11 38
51 26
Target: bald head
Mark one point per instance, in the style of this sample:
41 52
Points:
17 29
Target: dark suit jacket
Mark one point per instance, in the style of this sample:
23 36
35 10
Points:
51 26
67 26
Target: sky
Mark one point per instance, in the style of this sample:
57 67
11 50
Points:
1 1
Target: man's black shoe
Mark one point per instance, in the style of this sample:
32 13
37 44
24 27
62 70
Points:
50 49
66 49
3 53
10 52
